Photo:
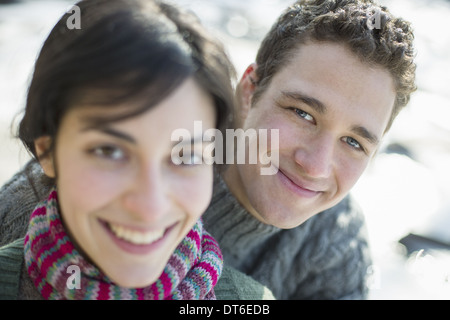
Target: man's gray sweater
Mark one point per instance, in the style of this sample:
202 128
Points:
326 257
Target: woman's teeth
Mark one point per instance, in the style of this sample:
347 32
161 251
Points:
136 237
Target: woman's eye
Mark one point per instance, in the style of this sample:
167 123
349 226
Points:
185 157
109 152
192 159
304 115
196 158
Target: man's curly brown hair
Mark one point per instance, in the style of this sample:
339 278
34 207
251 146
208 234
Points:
387 44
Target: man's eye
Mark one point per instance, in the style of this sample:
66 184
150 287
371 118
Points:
108 152
353 143
304 115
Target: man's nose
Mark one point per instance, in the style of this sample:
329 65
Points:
315 157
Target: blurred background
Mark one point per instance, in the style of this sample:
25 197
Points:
406 190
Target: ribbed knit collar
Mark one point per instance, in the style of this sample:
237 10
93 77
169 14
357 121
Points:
233 226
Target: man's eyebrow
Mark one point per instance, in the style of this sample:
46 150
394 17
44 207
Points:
112 132
366 134
321 108
312 102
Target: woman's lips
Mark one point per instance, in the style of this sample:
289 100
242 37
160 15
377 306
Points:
135 236
136 241
297 187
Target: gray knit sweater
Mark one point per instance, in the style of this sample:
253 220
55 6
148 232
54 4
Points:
326 257
18 197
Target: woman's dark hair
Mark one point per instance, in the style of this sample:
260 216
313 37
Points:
126 50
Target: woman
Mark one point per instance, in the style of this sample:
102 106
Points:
121 220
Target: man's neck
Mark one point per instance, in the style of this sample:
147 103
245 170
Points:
234 182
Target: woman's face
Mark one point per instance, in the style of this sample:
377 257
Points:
122 199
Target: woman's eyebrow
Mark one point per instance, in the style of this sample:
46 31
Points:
191 141
112 132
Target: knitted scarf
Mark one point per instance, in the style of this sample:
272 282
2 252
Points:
191 272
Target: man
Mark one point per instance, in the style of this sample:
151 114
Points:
331 76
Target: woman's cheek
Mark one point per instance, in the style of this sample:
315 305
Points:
194 193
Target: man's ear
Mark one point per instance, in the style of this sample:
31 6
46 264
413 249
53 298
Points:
42 146
245 90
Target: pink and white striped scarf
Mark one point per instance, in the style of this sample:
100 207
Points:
191 273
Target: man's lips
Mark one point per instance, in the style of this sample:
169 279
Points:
296 185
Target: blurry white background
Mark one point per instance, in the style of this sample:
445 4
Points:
405 190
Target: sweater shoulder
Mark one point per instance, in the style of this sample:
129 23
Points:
335 254
337 230
235 285
11 261
343 222
18 197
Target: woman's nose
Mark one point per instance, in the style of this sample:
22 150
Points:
147 198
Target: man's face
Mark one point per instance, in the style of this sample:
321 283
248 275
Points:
331 110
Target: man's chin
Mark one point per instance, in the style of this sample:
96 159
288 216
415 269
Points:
284 221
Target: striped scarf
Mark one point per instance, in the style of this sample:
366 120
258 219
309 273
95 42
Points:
191 273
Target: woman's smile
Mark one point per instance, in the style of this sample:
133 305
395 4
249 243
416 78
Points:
137 240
